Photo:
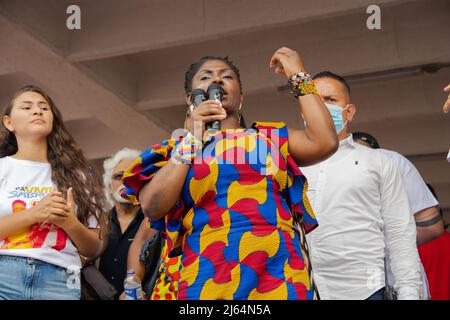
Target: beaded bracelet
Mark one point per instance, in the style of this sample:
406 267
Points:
186 151
302 84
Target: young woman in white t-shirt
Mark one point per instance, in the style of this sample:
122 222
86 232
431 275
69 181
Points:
50 202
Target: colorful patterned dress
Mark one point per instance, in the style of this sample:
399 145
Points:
241 216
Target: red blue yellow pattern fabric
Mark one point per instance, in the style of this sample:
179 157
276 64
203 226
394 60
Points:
166 287
241 216
168 273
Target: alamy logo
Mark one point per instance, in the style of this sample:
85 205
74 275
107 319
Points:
374 20
374 278
73 281
73 22
234 148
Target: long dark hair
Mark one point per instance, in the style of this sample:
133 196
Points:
69 166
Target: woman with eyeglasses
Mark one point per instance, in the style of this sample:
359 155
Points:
125 219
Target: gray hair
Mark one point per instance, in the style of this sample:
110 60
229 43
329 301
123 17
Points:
109 165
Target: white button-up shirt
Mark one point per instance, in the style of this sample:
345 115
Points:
419 198
358 198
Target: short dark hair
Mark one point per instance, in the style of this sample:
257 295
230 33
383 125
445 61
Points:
366 137
193 69
329 74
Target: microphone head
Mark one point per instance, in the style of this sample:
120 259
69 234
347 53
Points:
198 96
215 92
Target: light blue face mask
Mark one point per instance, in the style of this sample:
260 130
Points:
336 116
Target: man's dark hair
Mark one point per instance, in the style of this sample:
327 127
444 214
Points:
329 74
367 138
193 69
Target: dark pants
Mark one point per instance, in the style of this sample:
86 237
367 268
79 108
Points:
377 295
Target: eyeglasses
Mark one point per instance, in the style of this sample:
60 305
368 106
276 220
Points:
117 176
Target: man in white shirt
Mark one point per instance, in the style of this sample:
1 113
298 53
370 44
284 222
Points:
359 200
422 203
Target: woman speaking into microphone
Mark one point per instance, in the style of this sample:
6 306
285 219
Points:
234 199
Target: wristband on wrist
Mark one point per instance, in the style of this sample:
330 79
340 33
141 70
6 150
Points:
186 151
302 84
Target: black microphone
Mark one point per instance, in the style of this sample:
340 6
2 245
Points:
215 92
198 96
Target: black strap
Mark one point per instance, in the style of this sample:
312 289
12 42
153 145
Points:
429 222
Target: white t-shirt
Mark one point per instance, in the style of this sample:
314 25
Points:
22 184
419 198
